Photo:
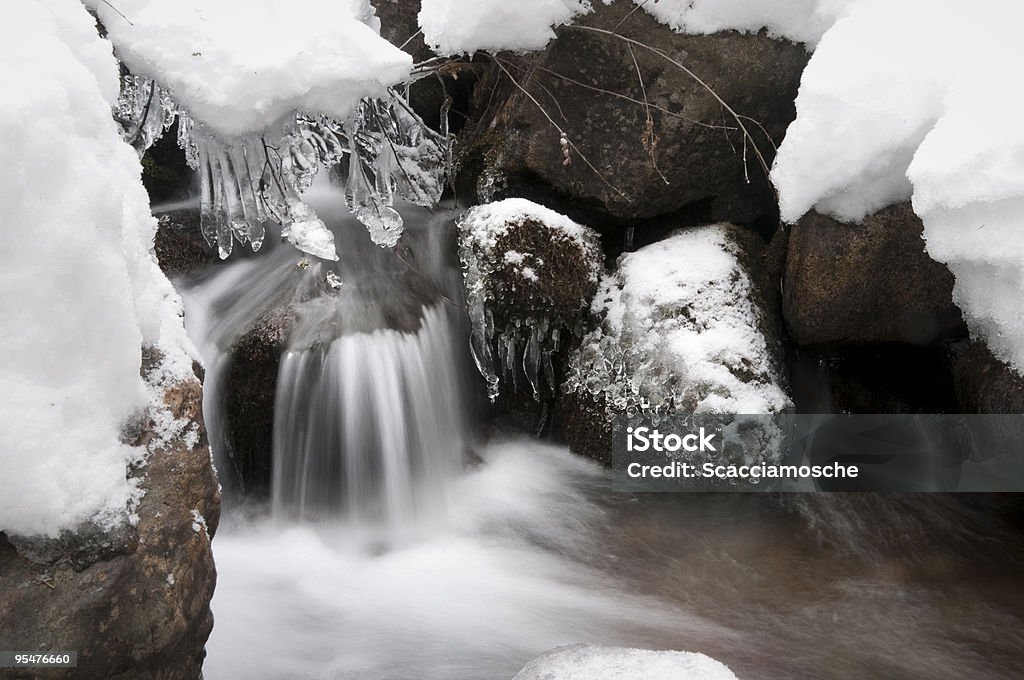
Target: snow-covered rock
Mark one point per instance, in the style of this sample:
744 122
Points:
459 26
682 329
530 274
629 160
82 293
241 66
803 21
592 662
888 111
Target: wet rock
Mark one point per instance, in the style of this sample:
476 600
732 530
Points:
683 149
681 327
165 173
399 25
133 603
249 399
530 275
180 247
867 283
985 384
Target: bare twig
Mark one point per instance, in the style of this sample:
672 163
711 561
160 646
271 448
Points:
631 12
410 39
747 137
119 12
626 97
649 138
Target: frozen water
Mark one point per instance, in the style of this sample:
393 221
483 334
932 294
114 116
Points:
679 333
523 346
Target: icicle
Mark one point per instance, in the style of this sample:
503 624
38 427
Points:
531 361
392 155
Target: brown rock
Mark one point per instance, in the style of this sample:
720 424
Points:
134 604
985 384
179 245
588 85
866 283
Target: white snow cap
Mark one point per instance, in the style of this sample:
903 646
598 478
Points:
485 224
914 99
459 26
240 66
802 21
695 269
80 291
591 662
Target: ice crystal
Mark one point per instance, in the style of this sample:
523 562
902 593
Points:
381 153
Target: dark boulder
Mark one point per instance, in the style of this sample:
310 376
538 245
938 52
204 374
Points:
866 283
179 245
985 384
629 159
251 385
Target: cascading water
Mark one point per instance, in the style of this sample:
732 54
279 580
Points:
370 424
359 429
387 557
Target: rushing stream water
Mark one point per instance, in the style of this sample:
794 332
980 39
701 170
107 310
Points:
389 551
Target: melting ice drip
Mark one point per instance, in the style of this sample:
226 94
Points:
381 152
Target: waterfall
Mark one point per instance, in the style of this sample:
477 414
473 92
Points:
370 425
369 412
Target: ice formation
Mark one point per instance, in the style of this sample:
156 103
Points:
519 312
265 95
460 26
82 293
592 662
679 333
888 111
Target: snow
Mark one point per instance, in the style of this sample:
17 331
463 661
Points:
802 21
679 322
241 66
81 290
913 100
485 224
592 662
452 27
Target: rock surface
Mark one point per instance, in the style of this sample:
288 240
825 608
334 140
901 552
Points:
986 385
868 283
249 399
179 245
530 274
135 604
681 327
681 150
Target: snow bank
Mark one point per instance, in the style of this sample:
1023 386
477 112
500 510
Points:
679 333
241 66
591 662
81 292
458 26
914 100
802 21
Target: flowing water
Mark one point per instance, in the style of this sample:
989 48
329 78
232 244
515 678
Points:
396 546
